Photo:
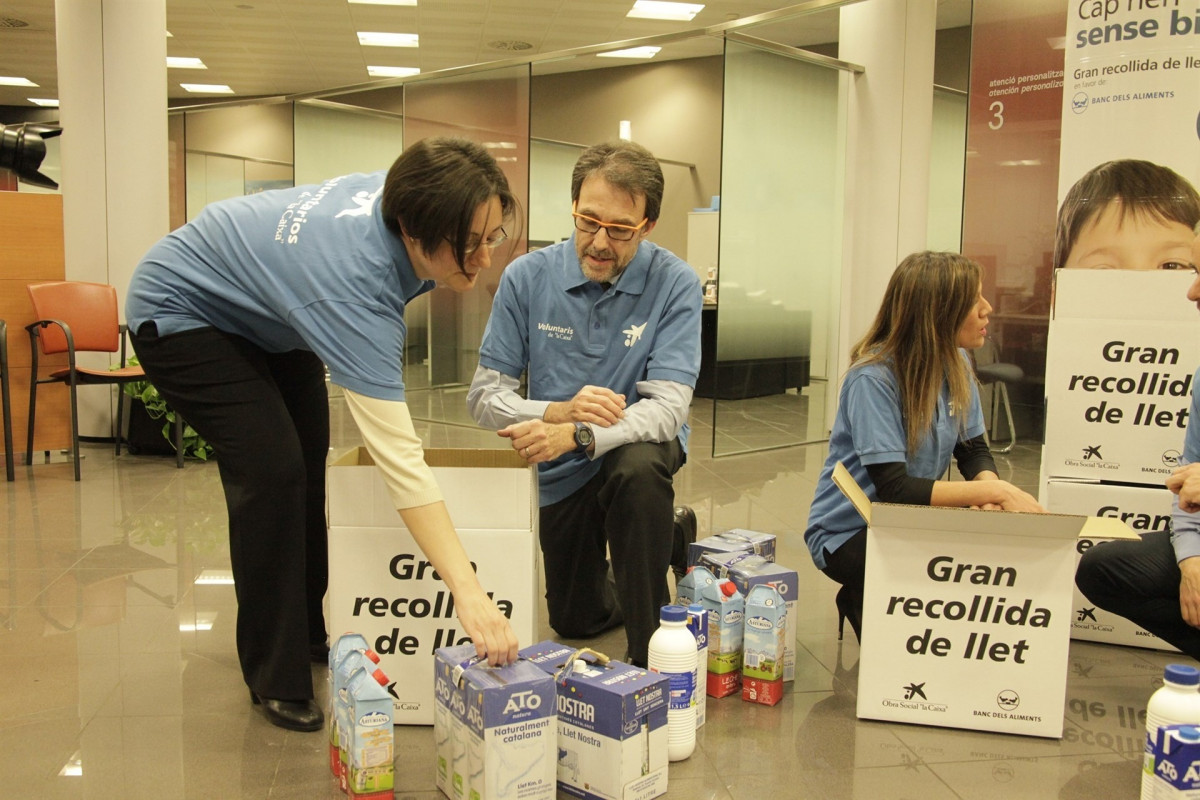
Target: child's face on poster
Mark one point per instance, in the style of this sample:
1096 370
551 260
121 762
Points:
1113 240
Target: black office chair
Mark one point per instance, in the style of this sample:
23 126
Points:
7 401
998 375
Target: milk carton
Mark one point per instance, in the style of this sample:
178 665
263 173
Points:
349 664
762 647
612 725
1177 762
725 606
449 719
736 540
687 591
370 752
748 571
511 732
448 706
697 623
344 644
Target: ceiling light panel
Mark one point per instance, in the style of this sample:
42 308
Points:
392 72
656 9
385 39
632 52
184 62
207 88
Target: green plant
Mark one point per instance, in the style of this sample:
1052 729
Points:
194 445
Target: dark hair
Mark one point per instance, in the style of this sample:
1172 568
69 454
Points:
434 188
916 329
1141 186
627 166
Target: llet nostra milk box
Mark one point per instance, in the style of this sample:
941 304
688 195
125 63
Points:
735 540
509 727
612 724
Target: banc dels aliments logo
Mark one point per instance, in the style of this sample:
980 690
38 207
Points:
913 697
1170 458
1008 700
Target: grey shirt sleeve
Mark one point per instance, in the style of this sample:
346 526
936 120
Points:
494 402
1185 531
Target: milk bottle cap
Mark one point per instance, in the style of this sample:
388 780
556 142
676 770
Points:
673 614
1182 674
728 588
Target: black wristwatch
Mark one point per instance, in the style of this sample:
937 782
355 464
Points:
583 437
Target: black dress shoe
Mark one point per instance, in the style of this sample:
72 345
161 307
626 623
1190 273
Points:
685 534
295 715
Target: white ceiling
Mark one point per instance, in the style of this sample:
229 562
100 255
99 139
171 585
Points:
285 47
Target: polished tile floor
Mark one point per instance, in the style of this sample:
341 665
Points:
118 676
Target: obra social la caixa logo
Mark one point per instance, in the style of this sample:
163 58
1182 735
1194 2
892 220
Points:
1085 618
914 698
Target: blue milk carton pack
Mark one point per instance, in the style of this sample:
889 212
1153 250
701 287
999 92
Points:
735 540
726 607
1177 762
370 749
350 662
750 571
762 645
688 590
343 645
612 725
512 736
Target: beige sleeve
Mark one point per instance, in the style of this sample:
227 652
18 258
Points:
388 433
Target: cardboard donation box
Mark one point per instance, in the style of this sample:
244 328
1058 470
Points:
967 614
1120 355
381 585
1142 508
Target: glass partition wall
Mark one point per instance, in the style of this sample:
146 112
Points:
774 319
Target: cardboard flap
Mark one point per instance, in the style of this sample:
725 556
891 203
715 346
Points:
1108 528
854 493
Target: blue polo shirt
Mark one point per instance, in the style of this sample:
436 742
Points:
571 332
869 430
307 268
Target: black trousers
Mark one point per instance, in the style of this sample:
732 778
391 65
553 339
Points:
267 418
848 566
628 507
1139 580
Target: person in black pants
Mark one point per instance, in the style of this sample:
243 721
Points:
236 317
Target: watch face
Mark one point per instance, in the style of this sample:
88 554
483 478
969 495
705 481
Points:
583 437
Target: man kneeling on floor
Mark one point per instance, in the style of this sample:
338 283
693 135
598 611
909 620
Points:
607 326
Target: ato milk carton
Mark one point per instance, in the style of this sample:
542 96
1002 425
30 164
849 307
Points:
612 725
349 664
1177 763
736 540
762 648
511 732
687 591
725 606
449 726
748 571
371 756
448 703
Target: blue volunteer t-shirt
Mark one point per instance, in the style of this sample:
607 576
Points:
869 430
308 268
572 332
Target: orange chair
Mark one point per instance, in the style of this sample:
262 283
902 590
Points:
75 317
7 403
